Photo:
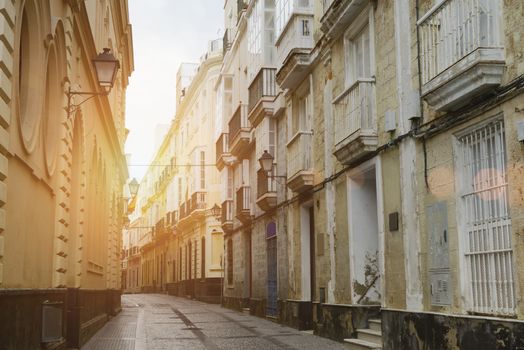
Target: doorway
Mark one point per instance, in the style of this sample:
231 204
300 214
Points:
307 240
365 227
272 287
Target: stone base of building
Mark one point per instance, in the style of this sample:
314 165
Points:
88 311
257 307
207 290
83 313
296 313
235 303
434 331
341 321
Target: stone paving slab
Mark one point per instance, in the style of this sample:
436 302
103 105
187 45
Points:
162 322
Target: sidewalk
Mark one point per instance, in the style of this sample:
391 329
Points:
154 322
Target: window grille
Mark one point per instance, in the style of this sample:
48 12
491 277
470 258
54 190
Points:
305 27
487 222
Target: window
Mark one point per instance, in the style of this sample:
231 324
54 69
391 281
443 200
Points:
230 182
284 9
486 222
230 261
358 56
255 29
305 27
300 119
272 137
202 170
179 191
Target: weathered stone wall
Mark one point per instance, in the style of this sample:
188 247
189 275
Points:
408 330
339 321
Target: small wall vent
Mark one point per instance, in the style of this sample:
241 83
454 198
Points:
52 321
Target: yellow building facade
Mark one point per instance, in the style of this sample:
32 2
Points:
63 170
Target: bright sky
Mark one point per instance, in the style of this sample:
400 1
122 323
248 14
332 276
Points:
165 34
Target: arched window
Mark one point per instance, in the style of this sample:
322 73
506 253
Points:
52 110
31 76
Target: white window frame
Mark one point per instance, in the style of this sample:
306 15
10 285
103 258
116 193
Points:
365 18
464 184
283 12
254 43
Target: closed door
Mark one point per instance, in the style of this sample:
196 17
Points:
271 309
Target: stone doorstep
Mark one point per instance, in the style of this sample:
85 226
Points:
375 324
358 344
370 335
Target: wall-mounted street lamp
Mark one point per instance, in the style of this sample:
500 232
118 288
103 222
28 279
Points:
133 187
106 67
266 162
216 211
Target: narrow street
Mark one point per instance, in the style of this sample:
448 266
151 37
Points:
155 321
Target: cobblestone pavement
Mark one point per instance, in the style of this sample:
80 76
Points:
155 321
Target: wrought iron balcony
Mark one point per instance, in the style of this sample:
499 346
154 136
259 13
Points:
173 217
184 210
160 230
239 132
355 122
227 215
266 191
462 51
198 201
243 199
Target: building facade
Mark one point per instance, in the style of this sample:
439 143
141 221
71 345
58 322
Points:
181 241
131 259
63 170
394 200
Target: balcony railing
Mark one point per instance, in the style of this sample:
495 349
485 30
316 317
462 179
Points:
354 109
198 201
454 29
264 85
174 217
299 153
265 184
227 212
238 122
185 209
243 200
222 146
